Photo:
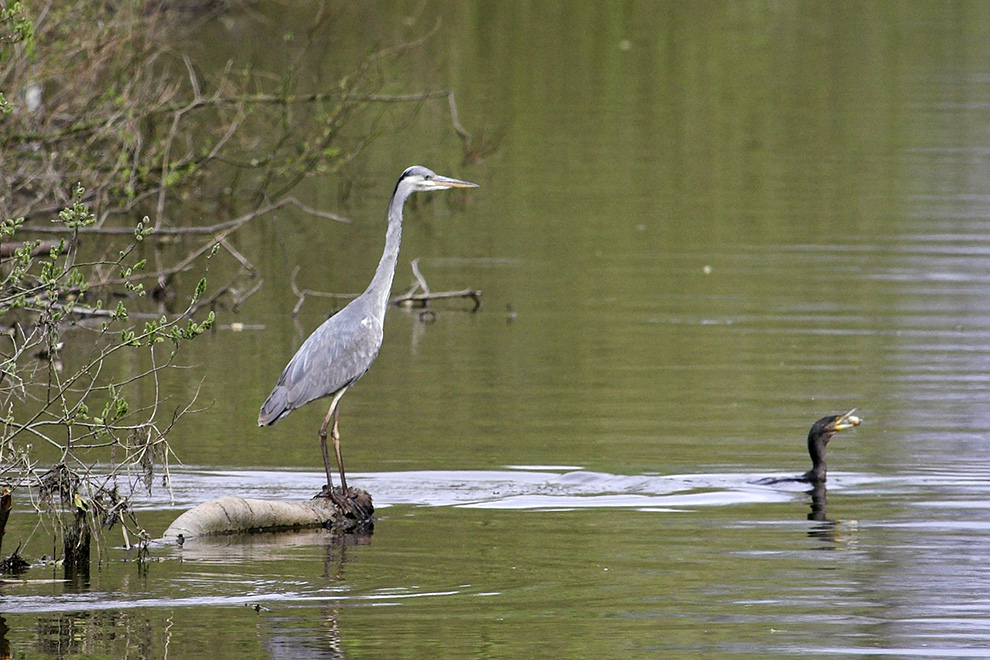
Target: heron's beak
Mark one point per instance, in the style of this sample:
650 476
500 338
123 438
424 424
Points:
847 421
447 182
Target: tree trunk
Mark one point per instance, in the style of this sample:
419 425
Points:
5 504
76 559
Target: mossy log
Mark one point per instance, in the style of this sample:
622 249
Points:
237 515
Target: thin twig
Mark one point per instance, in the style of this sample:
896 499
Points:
456 122
208 229
302 293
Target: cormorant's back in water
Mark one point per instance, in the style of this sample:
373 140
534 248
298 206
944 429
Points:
819 435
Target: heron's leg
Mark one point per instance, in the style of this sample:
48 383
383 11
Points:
326 455
335 436
331 414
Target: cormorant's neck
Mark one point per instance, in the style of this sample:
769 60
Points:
816 449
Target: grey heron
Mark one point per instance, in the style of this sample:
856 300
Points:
342 349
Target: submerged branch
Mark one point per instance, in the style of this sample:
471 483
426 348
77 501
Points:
423 299
419 295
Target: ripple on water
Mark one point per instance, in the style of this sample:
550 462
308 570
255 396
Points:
519 487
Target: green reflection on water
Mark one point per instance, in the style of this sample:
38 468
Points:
456 582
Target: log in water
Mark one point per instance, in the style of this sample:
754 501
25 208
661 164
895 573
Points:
238 515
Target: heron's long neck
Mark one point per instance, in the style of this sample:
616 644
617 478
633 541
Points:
381 283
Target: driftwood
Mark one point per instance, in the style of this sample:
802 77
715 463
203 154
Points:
237 515
418 296
423 299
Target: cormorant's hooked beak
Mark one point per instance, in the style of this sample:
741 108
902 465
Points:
847 421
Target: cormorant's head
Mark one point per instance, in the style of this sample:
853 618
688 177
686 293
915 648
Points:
826 427
819 435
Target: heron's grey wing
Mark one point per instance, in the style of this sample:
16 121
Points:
337 353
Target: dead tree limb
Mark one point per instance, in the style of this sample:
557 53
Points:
420 280
423 299
237 515
302 293
418 296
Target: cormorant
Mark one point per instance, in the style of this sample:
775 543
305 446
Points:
819 435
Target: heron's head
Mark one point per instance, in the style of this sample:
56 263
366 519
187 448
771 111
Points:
828 426
421 179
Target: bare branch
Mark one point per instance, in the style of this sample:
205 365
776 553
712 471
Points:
423 299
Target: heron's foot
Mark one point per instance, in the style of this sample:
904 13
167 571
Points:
355 505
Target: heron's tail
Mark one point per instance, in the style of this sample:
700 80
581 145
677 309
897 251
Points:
275 407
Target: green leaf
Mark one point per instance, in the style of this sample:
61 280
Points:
79 214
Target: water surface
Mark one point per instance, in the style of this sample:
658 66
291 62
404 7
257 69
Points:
706 226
